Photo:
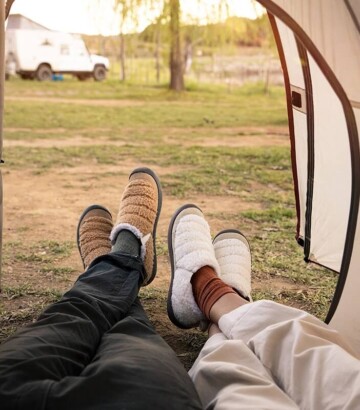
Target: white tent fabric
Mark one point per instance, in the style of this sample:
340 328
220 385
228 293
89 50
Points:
319 46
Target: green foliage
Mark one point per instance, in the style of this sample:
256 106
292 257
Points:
209 38
237 31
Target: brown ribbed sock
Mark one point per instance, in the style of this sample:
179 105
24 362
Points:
208 289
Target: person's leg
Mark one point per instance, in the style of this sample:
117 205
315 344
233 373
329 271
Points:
298 350
294 349
227 374
309 361
135 368
65 338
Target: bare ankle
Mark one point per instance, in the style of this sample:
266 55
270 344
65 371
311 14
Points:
226 304
213 330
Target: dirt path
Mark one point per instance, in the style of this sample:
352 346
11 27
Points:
230 137
79 101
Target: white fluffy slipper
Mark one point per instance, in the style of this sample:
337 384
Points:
232 252
190 248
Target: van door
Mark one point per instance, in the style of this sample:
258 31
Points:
75 57
80 56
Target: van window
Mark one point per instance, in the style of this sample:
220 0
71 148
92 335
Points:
64 49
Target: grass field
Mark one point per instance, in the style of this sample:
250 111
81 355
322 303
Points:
71 143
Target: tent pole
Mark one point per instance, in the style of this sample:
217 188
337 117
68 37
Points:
2 84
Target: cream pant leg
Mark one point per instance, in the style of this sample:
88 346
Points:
270 356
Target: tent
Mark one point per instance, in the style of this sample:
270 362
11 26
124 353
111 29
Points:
319 47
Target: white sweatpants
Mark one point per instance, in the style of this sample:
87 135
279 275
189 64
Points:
271 356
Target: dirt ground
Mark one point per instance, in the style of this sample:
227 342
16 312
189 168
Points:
46 207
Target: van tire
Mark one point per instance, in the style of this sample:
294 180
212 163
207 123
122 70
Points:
44 73
99 73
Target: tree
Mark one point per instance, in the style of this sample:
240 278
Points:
176 58
180 57
178 61
126 10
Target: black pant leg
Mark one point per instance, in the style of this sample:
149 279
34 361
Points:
64 340
133 369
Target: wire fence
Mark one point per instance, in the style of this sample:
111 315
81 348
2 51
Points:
233 71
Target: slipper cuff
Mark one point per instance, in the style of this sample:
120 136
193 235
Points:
240 283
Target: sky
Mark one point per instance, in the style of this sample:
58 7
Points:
86 17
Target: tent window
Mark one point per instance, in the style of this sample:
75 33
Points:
296 99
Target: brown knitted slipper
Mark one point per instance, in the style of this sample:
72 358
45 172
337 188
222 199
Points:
93 233
139 212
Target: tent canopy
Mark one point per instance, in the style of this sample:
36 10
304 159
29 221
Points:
319 47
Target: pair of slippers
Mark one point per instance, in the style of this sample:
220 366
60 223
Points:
191 248
189 241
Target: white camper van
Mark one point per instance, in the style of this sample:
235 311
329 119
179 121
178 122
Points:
40 53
